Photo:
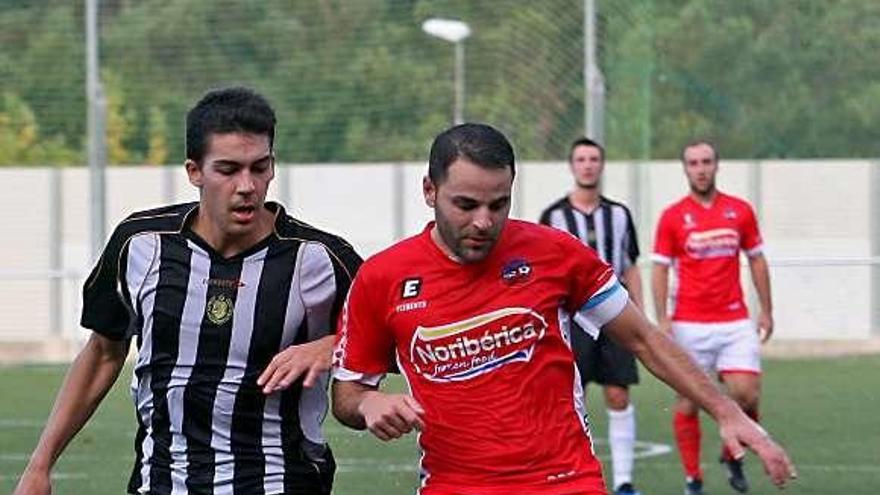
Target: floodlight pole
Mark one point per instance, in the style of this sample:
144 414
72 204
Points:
594 82
96 112
458 113
454 32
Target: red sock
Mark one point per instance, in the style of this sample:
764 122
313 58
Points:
687 436
725 452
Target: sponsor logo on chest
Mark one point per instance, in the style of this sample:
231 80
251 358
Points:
715 243
469 348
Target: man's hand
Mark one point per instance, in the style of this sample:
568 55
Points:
34 482
738 430
765 326
390 416
308 360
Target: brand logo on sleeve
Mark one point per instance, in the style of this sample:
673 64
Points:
467 349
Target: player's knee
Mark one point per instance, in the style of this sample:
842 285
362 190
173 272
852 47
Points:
745 397
616 398
748 401
686 407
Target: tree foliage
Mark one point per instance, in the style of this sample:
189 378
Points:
357 80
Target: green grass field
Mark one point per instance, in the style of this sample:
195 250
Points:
826 412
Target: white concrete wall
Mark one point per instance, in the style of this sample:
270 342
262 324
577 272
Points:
809 211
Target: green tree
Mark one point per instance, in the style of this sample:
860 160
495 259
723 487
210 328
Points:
20 140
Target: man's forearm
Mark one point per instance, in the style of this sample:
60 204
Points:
632 278
347 398
90 377
660 289
668 361
761 279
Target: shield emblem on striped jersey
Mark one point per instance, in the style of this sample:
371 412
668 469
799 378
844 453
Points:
219 309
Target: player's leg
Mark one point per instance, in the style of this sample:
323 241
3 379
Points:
700 342
621 437
616 373
739 366
686 425
745 389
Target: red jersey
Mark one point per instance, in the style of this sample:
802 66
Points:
485 349
703 244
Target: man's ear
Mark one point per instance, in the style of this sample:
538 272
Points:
430 191
194 172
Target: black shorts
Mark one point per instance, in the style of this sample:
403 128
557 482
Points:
311 476
602 361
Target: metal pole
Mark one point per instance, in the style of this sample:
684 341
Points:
284 184
647 86
169 184
458 114
594 82
398 206
874 229
95 115
56 220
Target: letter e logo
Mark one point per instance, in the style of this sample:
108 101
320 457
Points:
410 288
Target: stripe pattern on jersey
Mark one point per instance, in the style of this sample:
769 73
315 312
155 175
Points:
204 426
608 230
205 422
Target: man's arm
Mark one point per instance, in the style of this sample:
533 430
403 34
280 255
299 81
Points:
665 359
632 279
388 416
323 284
660 291
309 360
761 279
90 377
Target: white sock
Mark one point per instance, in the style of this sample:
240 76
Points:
622 439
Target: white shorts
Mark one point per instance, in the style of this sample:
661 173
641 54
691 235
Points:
727 347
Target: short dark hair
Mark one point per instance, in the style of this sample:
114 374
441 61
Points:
585 141
226 110
482 144
697 142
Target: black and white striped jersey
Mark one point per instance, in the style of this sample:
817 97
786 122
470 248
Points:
609 230
206 327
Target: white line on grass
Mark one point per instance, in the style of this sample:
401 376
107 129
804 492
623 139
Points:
55 476
23 424
841 468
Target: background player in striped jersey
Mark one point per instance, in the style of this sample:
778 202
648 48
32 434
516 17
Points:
233 304
476 310
702 235
607 227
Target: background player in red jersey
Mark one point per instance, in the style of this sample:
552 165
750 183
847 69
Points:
476 309
702 236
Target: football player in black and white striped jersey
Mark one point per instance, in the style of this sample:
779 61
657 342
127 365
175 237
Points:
232 304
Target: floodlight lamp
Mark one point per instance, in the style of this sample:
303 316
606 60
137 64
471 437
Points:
447 29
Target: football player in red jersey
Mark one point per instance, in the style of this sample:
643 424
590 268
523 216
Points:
702 235
477 311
